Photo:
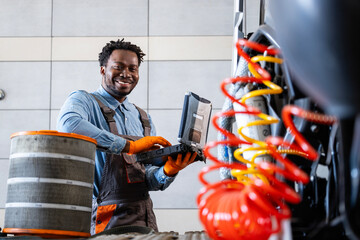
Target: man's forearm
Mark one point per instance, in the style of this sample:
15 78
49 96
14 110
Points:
105 139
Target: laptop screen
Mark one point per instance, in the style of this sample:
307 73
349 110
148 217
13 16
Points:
195 120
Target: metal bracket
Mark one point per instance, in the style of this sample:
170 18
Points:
2 94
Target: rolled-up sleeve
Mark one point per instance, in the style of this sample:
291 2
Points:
156 178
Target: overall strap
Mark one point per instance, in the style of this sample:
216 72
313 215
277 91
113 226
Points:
108 114
144 121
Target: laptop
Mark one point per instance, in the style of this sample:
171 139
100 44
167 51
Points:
193 131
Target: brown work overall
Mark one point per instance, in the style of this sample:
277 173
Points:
123 196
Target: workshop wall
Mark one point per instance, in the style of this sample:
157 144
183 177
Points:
49 48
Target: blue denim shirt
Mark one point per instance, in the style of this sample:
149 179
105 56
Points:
81 114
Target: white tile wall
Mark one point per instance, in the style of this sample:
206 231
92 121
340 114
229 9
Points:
12 121
168 81
3 178
87 49
25 49
25 18
189 17
68 76
177 220
171 48
53 119
190 48
2 217
26 84
100 18
169 129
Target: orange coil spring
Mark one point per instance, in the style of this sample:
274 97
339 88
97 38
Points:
231 209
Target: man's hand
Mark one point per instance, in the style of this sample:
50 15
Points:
172 166
145 144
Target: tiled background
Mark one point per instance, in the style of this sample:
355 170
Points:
49 48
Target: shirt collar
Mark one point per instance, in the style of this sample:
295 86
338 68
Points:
126 104
112 101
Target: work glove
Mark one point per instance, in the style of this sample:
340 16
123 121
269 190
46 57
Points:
147 144
172 166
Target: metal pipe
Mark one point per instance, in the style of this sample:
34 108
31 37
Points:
262 12
244 19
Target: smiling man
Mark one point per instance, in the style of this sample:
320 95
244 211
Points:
121 184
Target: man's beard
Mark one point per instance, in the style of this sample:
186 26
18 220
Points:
114 90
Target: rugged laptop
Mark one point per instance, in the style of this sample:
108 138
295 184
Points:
193 132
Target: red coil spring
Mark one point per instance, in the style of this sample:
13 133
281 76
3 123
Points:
230 209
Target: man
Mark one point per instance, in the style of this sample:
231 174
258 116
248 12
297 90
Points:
121 184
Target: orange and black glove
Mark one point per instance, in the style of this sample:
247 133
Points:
146 144
172 166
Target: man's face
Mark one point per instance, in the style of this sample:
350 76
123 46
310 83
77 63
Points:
121 73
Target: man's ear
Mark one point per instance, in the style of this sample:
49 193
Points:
102 70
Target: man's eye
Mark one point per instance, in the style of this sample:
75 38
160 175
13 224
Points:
117 67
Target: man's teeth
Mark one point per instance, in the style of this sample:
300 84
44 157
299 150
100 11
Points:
122 82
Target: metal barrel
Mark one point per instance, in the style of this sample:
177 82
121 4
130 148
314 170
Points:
50 184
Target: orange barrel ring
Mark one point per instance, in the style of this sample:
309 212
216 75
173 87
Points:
54 133
44 233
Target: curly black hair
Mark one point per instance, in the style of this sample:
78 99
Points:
119 44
